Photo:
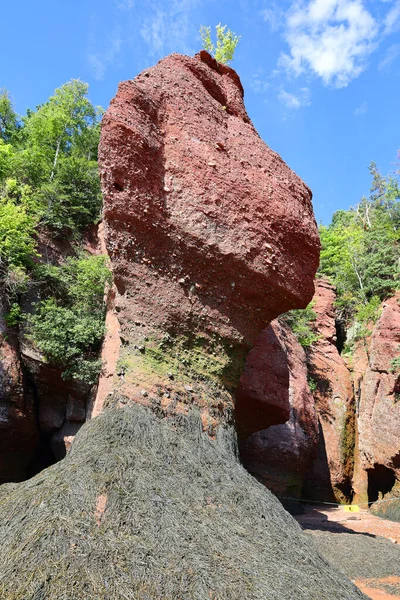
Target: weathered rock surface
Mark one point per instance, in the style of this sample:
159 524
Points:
378 409
331 473
280 456
18 427
210 234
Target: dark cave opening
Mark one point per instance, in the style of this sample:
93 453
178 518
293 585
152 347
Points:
44 456
381 480
340 335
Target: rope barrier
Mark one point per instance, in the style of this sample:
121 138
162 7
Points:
337 503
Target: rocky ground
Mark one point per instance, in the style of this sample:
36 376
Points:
364 547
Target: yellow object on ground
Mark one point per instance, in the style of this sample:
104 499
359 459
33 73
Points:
351 508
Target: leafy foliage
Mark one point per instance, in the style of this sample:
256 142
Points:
14 315
395 364
8 118
52 154
49 182
68 326
300 323
360 250
17 227
226 42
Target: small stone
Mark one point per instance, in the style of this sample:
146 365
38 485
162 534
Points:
188 388
144 393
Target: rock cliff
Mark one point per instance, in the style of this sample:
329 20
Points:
18 424
352 454
201 219
377 387
281 455
330 476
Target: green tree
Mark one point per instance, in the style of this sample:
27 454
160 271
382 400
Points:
360 249
6 160
226 42
8 118
73 199
17 229
59 124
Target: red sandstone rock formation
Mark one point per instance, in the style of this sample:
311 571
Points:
18 428
331 473
210 234
377 392
281 455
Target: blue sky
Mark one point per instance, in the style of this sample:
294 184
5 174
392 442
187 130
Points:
321 77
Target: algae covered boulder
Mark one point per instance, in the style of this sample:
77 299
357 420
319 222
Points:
148 509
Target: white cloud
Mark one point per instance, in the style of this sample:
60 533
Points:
392 20
295 101
154 31
99 60
329 38
258 82
170 28
273 16
96 65
391 54
125 4
361 110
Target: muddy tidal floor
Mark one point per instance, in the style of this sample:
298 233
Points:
364 547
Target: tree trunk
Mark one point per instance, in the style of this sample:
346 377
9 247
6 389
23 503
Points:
55 159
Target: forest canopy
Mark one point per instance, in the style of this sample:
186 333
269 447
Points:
360 250
50 190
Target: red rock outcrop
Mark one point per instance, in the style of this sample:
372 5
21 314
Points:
18 428
331 473
210 234
281 455
377 392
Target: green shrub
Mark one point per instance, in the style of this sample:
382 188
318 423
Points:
395 364
72 199
312 383
225 47
299 322
13 317
369 312
17 228
63 334
68 327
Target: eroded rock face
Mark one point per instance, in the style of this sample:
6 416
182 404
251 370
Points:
378 410
281 455
210 234
18 427
331 473
39 410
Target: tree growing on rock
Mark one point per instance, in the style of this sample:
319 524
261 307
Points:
226 42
